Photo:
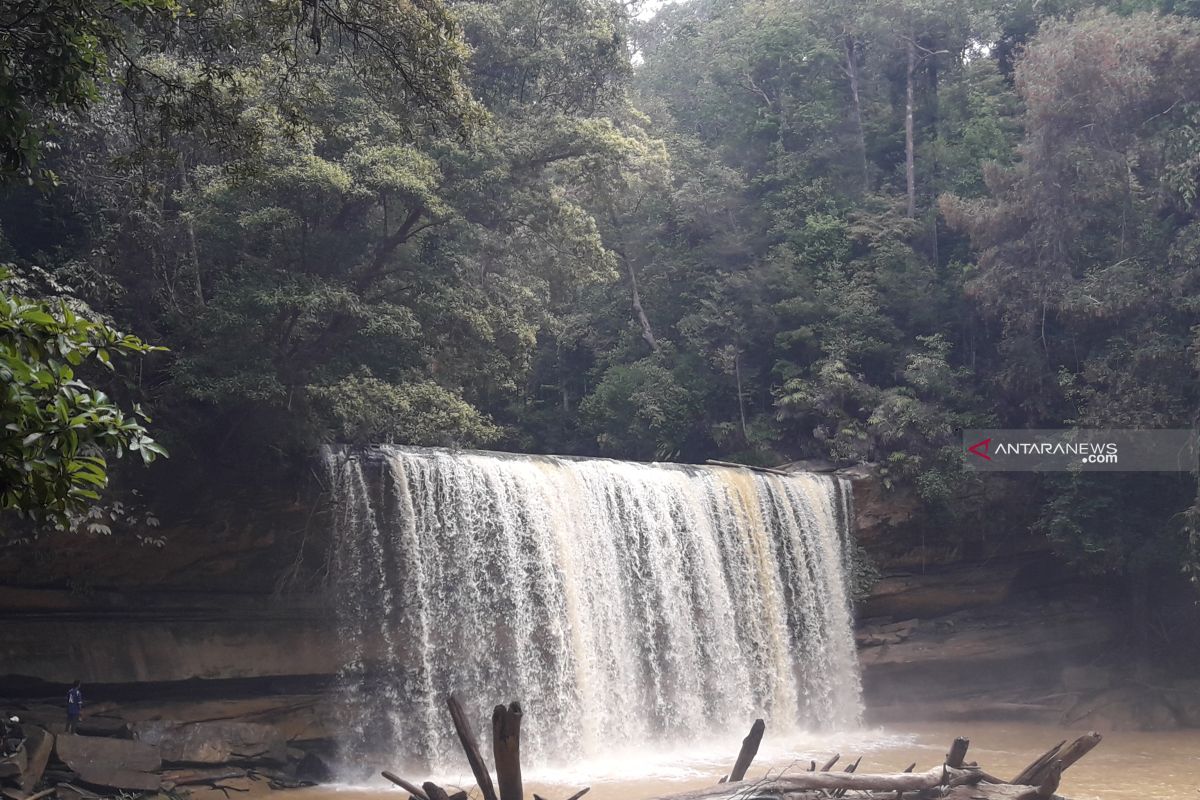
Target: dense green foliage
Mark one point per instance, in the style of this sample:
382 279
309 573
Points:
56 430
749 229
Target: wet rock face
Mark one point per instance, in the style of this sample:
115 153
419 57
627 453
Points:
980 663
213 742
130 637
981 622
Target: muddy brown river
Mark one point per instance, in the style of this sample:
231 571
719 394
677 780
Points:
1126 765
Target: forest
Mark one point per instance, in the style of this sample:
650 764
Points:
752 230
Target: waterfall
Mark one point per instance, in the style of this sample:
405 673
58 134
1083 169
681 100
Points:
619 602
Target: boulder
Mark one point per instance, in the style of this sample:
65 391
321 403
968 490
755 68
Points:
103 726
113 763
13 764
11 767
39 743
213 742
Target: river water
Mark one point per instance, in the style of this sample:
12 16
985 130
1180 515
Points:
1126 765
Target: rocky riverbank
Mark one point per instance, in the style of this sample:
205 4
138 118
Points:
112 752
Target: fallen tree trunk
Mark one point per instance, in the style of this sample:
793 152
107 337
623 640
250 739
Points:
828 781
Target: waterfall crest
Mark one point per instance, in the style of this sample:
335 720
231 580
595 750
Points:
620 602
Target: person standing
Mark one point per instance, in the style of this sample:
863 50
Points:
74 706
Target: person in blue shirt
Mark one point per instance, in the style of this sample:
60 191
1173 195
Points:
74 706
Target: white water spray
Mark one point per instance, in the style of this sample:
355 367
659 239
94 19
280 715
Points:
620 602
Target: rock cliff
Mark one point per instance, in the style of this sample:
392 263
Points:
228 618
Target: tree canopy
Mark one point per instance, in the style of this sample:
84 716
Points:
755 230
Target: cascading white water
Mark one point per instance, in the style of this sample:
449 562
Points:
619 602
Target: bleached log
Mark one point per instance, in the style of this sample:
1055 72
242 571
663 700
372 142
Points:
785 785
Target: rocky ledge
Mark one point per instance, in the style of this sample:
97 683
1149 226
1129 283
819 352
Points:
111 754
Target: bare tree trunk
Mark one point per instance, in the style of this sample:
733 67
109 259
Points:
737 371
935 169
190 227
506 746
647 331
856 106
749 750
909 167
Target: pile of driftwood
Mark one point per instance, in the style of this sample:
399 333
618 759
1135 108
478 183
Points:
954 779
506 746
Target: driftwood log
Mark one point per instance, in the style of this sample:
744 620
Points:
785 785
954 779
470 746
1037 772
749 750
958 752
506 744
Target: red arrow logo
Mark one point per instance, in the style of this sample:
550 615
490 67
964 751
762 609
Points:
981 447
